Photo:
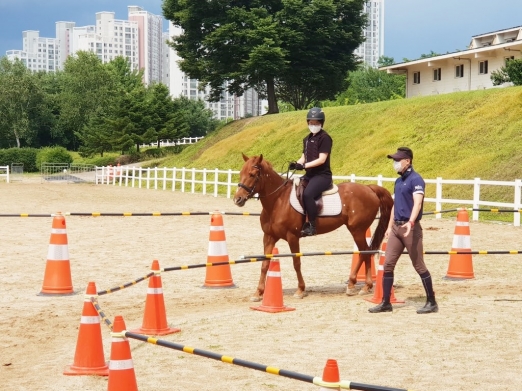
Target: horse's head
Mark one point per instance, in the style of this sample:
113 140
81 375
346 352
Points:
249 177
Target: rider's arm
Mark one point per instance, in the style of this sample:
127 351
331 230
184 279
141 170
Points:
317 162
301 159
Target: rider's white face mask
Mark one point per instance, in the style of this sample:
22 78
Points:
314 128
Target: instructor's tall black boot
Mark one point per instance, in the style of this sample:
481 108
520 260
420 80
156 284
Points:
430 306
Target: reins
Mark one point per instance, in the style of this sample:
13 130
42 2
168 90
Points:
253 188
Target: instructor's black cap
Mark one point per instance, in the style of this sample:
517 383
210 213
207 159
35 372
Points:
402 153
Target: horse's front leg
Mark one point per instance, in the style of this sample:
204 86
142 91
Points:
268 246
293 242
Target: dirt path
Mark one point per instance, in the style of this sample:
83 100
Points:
473 343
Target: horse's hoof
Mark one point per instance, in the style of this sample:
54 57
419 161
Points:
256 299
363 292
351 291
300 295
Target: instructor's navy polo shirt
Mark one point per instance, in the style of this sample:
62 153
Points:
406 185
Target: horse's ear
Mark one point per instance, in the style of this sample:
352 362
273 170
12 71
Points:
260 158
245 157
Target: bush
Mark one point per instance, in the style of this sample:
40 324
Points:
153 153
26 156
53 155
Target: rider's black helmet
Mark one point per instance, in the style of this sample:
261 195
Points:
315 113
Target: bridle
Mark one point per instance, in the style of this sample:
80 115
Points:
251 190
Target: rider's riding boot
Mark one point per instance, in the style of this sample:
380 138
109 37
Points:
430 306
309 230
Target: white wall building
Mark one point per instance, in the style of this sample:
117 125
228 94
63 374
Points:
38 53
139 39
150 42
373 48
165 54
461 71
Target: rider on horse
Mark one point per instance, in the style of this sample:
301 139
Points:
315 159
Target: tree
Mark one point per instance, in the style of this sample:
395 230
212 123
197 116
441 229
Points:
385 61
199 119
299 50
368 85
20 96
511 72
87 90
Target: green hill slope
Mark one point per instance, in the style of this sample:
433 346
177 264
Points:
454 136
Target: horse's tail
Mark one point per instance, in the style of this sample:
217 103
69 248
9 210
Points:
386 204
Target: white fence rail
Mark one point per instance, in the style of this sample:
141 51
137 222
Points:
169 143
224 182
4 173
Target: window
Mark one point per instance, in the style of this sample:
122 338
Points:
416 77
483 67
459 70
437 74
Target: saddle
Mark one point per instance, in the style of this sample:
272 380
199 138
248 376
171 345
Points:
330 197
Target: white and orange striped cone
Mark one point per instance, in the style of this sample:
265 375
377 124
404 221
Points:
57 277
89 358
331 378
218 276
121 367
361 274
273 296
378 291
155 317
461 265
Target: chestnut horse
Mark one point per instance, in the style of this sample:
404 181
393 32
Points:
360 205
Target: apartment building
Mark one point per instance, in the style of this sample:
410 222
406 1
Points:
373 46
38 53
150 43
139 39
465 70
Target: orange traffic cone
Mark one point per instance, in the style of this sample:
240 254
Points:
89 358
378 292
361 274
218 276
331 375
57 277
461 265
155 317
121 367
273 296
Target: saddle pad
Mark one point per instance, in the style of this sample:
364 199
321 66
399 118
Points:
331 204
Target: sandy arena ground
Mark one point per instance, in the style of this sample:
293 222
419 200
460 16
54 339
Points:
473 343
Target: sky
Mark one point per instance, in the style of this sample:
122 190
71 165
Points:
411 27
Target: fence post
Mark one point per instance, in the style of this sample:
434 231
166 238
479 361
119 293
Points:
379 180
518 202
476 198
204 179
352 178
148 178
156 178
183 180
216 182
174 178
438 197
192 188
164 178
140 177
229 182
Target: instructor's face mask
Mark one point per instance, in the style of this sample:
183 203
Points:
397 166
314 128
